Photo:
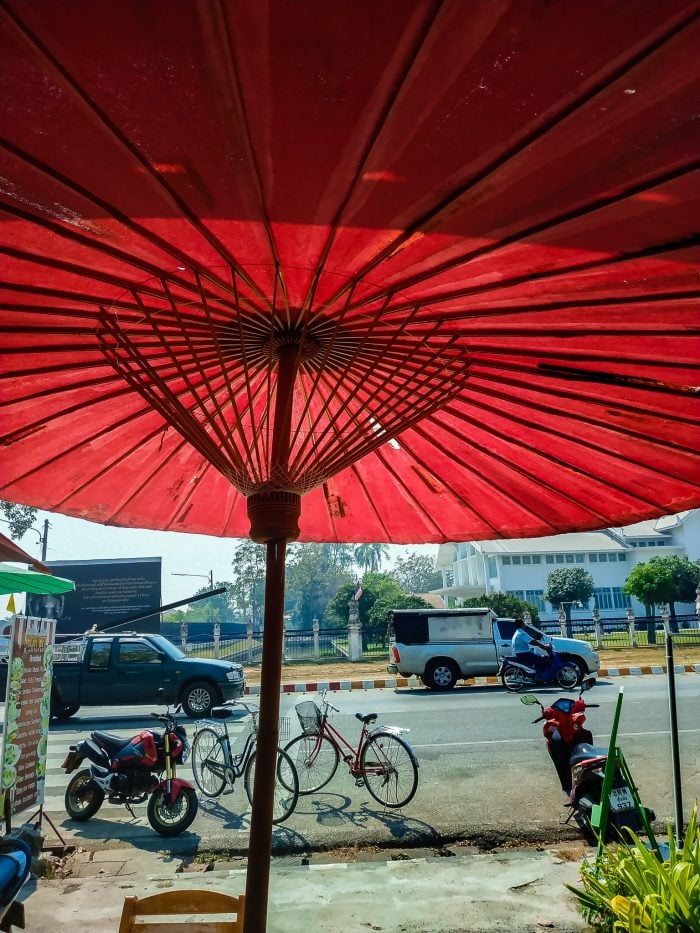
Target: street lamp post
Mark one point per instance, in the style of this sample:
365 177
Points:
204 576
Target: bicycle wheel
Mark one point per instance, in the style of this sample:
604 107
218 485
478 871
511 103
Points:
316 759
389 769
286 785
209 762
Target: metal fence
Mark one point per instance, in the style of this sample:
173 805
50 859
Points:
328 644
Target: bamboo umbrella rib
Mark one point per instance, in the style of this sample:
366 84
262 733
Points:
121 140
657 41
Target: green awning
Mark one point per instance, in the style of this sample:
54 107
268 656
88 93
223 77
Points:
15 580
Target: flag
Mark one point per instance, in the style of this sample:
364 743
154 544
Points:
11 604
358 588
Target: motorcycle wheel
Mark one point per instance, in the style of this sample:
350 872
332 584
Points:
83 797
567 676
170 818
513 679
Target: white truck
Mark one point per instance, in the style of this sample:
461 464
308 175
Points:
442 646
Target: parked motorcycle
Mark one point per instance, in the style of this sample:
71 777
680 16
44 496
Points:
515 674
580 765
130 771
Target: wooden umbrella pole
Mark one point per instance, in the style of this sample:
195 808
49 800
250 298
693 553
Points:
260 846
274 520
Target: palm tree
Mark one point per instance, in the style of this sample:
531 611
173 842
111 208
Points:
370 556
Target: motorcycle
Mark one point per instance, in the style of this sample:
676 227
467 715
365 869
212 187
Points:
130 771
516 674
580 765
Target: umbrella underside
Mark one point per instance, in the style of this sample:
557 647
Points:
471 231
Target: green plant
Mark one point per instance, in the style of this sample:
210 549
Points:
628 890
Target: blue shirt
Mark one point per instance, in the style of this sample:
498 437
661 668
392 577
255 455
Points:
521 641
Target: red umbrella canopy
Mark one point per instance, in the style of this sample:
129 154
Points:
431 265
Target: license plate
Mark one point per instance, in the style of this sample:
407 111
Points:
621 799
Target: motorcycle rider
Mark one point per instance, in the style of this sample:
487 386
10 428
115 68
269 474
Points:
523 642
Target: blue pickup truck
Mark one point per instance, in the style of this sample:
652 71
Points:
128 668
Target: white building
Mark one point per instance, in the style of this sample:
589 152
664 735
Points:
521 566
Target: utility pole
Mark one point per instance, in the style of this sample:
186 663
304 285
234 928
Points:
44 539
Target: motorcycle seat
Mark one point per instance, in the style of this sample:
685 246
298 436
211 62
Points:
110 743
583 752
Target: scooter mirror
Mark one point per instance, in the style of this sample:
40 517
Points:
529 700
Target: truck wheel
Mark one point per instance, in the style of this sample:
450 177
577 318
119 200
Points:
198 699
62 711
440 674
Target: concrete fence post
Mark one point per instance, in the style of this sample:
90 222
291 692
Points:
183 636
354 632
598 628
249 646
562 621
666 619
632 625
217 639
317 647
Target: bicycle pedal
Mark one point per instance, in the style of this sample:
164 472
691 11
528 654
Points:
359 782
227 790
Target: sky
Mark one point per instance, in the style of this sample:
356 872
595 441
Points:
76 539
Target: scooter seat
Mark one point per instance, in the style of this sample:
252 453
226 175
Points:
110 743
583 752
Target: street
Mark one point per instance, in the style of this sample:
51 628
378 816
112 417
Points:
484 771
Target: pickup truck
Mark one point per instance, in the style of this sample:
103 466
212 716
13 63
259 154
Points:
443 646
128 668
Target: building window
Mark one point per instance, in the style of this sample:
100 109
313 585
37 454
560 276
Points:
580 558
642 544
569 558
506 560
602 597
534 597
593 558
527 560
493 568
559 558
516 560
620 601
622 556
602 558
549 558
537 559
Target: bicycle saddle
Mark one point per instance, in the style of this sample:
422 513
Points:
223 712
367 718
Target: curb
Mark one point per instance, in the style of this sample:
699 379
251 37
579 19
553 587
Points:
379 683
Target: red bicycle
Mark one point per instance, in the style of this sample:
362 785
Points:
383 761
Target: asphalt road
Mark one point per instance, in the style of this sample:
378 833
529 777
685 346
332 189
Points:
484 771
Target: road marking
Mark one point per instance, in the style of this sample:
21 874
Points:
629 735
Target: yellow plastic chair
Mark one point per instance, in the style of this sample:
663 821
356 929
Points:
167 912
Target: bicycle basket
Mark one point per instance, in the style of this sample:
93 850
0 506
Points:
309 717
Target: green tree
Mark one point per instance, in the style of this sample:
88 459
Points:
249 579
220 608
504 605
663 580
380 594
20 518
370 556
416 573
314 573
566 586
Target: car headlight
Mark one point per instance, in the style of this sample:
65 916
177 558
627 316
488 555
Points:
234 674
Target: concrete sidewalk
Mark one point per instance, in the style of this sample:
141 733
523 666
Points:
508 890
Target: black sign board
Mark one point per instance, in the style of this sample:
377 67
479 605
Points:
106 591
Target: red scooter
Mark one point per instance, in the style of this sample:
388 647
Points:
580 765
131 771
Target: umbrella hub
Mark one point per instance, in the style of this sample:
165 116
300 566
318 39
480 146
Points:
274 514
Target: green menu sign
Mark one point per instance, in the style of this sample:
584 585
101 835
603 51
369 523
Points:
27 712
